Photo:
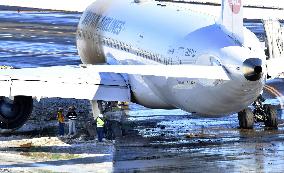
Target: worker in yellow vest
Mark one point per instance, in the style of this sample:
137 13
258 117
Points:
100 127
60 119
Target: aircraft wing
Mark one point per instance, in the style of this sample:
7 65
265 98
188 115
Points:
64 82
92 82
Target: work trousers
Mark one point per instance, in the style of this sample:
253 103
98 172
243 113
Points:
72 128
100 132
61 128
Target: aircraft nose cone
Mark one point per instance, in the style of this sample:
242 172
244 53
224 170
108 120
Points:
252 69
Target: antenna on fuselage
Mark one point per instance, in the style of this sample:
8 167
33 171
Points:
232 18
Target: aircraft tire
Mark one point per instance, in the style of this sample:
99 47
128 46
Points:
271 120
14 113
246 119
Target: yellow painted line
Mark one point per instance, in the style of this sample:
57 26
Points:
278 94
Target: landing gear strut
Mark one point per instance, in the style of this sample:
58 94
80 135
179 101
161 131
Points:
261 113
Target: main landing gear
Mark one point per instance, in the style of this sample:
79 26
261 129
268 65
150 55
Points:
261 113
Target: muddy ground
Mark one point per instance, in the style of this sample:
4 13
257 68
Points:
182 143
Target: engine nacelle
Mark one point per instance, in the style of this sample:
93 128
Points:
14 113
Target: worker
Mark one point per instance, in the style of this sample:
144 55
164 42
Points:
100 127
72 116
60 118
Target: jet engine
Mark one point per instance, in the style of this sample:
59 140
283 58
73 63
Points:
14 112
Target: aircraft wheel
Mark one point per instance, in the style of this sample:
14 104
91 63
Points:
14 112
246 119
271 119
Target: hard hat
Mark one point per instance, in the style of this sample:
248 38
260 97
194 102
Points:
101 115
60 109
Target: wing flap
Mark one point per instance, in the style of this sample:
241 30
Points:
42 89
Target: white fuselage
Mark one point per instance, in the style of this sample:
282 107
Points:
124 32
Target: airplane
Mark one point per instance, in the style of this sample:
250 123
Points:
157 56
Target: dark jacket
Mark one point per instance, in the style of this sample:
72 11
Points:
71 115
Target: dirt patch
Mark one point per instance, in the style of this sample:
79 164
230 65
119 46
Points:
53 154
